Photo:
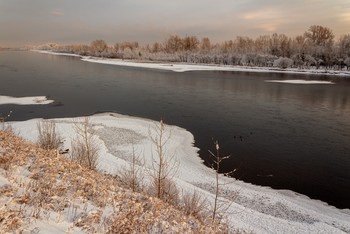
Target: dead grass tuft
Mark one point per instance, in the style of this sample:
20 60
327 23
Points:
49 139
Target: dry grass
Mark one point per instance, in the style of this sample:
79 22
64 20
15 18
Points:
43 186
194 205
49 139
84 147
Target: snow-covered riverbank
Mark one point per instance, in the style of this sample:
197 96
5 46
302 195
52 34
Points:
256 208
180 67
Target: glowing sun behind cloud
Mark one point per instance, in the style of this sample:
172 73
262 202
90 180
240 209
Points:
269 19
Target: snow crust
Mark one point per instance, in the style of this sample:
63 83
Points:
300 81
56 53
34 100
161 66
251 207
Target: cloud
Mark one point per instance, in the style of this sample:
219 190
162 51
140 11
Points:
153 20
57 12
345 17
266 19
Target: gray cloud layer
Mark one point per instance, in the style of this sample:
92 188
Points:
71 21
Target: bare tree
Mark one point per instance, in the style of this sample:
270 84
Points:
164 166
262 44
84 147
156 47
205 45
319 35
173 44
190 43
217 160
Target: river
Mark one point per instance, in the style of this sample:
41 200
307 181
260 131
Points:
287 136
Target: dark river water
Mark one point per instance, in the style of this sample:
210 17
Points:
286 136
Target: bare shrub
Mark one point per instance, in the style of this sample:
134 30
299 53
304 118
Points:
194 205
3 126
48 139
168 190
84 147
133 175
283 63
164 166
6 159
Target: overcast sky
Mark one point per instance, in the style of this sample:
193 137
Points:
24 22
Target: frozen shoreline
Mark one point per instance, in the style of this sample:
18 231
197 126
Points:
180 67
35 100
256 208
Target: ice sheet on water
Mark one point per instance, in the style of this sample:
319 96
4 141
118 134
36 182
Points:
300 81
34 100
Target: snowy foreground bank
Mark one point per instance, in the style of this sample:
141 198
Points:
180 67
255 208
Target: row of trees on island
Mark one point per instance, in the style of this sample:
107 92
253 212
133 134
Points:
317 47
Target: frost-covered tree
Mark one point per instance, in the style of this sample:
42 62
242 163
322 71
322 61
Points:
98 47
344 45
320 41
283 62
316 47
309 61
347 62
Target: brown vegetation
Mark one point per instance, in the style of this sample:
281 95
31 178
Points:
40 184
49 138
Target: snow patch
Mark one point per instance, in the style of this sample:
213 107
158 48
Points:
300 81
160 66
35 100
256 208
55 53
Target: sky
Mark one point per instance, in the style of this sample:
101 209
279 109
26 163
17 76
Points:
34 22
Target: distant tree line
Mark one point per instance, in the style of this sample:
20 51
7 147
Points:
317 47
